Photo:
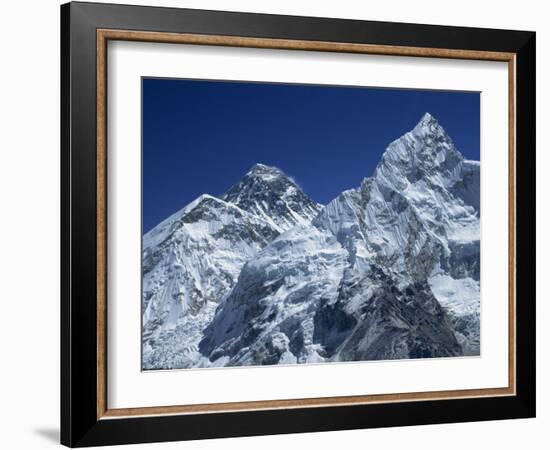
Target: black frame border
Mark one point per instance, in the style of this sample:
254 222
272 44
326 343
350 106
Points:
79 423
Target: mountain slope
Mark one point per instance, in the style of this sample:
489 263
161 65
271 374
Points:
380 273
192 260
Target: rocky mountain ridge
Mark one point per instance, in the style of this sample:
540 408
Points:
387 270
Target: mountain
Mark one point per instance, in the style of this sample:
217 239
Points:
388 270
271 195
192 259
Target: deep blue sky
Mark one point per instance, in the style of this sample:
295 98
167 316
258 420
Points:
203 136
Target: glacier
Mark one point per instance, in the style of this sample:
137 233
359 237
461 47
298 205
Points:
265 275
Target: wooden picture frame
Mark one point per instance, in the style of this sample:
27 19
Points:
86 418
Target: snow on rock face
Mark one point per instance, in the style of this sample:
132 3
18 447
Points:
277 292
193 258
268 193
267 276
415 221
460 296
442 191
313 302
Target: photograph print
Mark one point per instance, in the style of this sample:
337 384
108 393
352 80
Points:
293 224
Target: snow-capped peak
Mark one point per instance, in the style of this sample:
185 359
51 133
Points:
428 125
389 270
269 193
427 119
192 259
265 171
425 151
264 275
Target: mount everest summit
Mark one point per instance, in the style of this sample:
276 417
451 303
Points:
265 275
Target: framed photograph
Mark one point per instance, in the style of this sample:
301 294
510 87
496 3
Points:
276 224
